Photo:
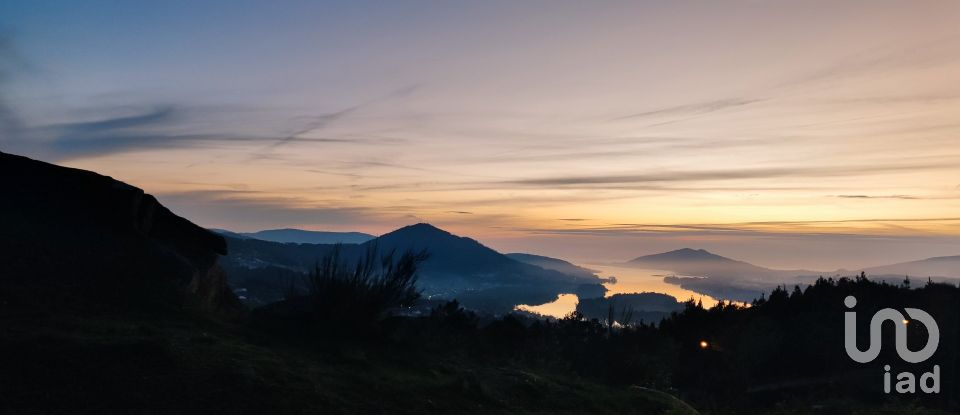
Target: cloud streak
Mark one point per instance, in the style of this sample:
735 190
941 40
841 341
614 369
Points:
252 210
153 129
761 228
903 197
695 109
319 122
731 174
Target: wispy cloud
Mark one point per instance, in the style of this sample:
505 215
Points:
904 197
734 174
161 127
315 124
157 116
10 62
319 122
256 210
760 228
882 60
691 109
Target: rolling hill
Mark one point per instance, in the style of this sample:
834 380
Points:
936 267
555 264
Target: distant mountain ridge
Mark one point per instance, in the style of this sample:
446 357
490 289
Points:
942 266
700 262
725 278
555 264
300 236
458 267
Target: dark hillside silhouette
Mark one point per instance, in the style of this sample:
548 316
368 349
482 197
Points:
454 254
641 307
76 230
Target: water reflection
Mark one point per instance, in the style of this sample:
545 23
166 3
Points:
629 280
563 305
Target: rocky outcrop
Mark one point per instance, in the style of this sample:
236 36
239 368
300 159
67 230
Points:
72 230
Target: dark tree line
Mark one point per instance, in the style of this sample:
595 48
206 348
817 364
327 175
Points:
786 348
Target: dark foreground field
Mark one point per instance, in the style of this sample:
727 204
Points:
59 363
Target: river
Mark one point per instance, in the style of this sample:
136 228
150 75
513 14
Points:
629 280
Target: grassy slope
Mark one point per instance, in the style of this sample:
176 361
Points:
56 363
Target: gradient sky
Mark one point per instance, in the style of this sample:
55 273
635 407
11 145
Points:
814 134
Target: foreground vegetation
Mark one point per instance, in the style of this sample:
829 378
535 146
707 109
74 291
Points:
360 351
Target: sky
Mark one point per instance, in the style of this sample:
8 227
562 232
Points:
814 134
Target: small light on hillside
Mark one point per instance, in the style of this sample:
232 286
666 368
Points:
704 344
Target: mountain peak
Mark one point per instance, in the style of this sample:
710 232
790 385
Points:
421 228
683 254
423 225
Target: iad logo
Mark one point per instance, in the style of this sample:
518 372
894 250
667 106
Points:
906 381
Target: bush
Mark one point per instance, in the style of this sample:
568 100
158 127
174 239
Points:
364 295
